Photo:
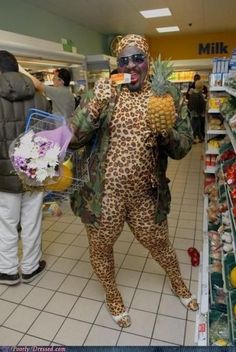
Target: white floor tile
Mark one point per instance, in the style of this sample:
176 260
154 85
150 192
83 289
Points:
50 235
72 333
127 294
60 304
121 247
127 339
93 290
85 310
119 258
3 288
66 238
50 260
190 334
128 277
56 249
38 298
16 293
101 336
80 241
63 265
74 252
126 236
9 337
51 280
59 227
169 329
46 326
83 269
161 343
146 300
74 228
170 305
142 323
133 262
138 249
151 282
21 319
6 308
73 285
153 267
183 243
28 340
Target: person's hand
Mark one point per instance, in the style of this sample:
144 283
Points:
22 70
103 93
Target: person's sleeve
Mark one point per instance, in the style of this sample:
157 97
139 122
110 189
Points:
51 92
84 125
179 141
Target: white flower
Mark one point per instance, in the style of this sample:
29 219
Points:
41 175
52 155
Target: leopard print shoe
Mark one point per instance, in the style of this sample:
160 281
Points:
123 319
190 303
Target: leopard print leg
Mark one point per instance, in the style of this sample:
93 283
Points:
155 238
101 244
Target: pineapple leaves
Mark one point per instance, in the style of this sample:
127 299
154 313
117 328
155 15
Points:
160 79
161 72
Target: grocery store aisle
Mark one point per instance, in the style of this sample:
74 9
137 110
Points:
65 306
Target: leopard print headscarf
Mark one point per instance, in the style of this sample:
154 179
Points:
133 40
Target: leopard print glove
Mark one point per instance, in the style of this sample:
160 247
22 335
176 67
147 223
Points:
103 92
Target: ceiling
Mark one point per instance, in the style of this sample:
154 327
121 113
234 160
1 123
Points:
122 16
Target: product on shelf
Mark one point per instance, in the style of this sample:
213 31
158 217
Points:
215 102
215 122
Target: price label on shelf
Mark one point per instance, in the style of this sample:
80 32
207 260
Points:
202 328
202 333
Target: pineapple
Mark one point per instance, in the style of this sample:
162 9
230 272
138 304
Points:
161 105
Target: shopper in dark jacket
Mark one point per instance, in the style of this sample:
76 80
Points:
196 78
197 106
17 96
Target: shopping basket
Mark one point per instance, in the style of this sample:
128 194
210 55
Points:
51 130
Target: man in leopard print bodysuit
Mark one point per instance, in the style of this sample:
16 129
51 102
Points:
128 182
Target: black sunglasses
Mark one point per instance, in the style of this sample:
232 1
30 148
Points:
136 59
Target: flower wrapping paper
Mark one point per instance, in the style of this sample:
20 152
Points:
36 156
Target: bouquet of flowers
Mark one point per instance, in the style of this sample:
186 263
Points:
37 155
36 158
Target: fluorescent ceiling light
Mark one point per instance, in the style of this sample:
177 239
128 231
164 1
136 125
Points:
156 13
167 29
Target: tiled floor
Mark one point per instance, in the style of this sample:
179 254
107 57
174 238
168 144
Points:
65 306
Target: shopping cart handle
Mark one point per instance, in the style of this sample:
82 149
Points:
43 114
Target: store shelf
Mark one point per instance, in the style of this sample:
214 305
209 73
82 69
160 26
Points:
212 152
216 132
231 218
210 170
230 134
217 89
209 308
213 111
230 91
